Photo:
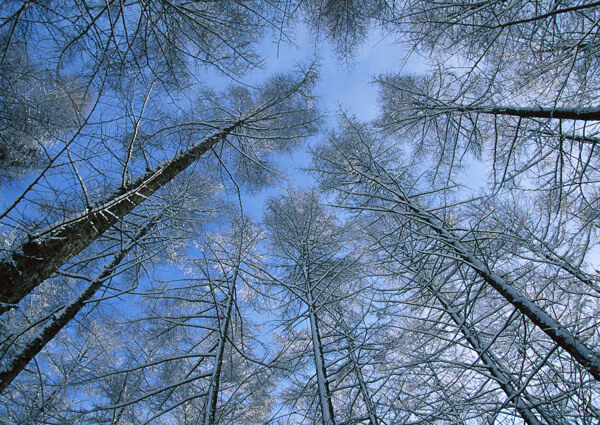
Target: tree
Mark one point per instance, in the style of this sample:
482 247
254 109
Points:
36 108
301 232
401 291
367 175
110 51
93 57
324 290
265 124
119 261
513 85
188 353
58 319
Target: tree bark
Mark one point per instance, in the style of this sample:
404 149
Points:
59 319
44 253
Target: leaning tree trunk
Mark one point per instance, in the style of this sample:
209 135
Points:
17 362
582 114
519 399
44 253
550 326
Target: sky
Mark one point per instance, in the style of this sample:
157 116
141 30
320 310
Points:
345 86
342 86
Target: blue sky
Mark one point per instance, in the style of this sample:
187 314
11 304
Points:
342 86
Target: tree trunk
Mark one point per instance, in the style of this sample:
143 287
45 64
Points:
550 326
583 114
210 410
38 341
322 382
364 390
44 253
492 365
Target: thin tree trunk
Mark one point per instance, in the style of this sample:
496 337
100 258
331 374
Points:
364 390
38 341
492 365
583 114
42 254
547 324
210 411
322 382
550 326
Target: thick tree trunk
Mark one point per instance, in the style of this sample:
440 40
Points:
38 341
44 253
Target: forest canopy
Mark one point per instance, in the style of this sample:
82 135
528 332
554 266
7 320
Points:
435 265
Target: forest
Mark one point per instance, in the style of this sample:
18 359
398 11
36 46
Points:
188 236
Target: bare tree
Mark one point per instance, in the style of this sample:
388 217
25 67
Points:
58 319
513 87
302 233
455 120
368 175
36 108
346 23
326 311
262 128
190 354
161 227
